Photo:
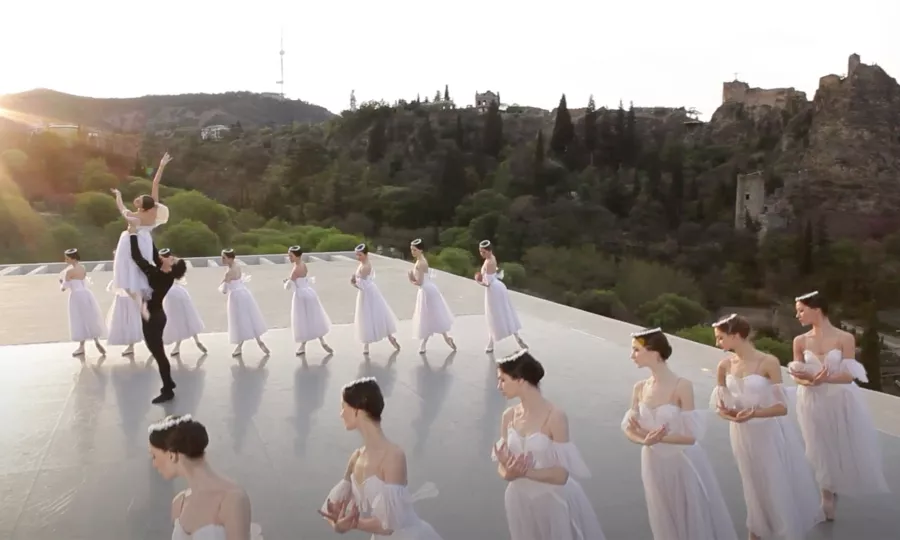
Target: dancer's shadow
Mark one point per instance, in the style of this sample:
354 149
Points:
89 399
494 405
309 396
135 385
432 384
190 381
385 375
247 388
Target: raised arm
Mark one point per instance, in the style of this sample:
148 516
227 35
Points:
154 191
139 259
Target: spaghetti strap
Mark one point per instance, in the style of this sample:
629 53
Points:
674 392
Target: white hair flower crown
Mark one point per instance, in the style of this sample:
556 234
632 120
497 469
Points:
514 356
724 320
359 381
806 296
227 251
359 248
484 244
168 423
416 242
295 249
643 333
164 252
71 251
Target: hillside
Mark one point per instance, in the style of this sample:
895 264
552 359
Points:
159 113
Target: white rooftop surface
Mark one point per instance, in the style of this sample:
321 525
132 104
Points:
73 456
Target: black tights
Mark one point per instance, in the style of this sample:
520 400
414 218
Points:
153 337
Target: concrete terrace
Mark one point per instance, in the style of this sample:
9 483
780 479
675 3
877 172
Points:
73 456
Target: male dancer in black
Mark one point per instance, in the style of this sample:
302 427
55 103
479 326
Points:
161 277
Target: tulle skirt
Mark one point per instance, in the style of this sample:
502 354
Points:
245 320
539 511
183 319
502 319
309 320
85 318
432 314
124 321
126 274
374 318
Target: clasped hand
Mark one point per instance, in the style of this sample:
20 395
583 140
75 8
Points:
807 379
338 516
735 415
516 465
650 437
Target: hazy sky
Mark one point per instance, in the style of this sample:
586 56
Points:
651 52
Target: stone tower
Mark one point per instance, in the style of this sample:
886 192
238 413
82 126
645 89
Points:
750 198
852 64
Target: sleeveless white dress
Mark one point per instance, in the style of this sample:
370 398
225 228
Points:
684 500
502 319
780 489
182 318
126 274
124 321
211 532
392 504
541 511
841 439
432 315
85 318
374 319
245 320
309 320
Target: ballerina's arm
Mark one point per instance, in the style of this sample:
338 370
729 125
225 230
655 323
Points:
235 515
154 190
633 431
559 433
684 393
126 213
771 368
503 456
848 353
394 470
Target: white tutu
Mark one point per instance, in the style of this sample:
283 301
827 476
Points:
780 491
126 274
182 318
245 320
391 504
374 318
501 318
124 321
684 500
85 318
309 320
841 439
432 314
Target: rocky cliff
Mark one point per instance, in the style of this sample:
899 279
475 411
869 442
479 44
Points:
159 113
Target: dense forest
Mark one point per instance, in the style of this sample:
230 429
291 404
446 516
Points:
627 213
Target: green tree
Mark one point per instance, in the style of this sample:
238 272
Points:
870 349
563 130
97 209
95 176
190 238
492 141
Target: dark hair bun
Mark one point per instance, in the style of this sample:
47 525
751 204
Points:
522 366
365 394
180 434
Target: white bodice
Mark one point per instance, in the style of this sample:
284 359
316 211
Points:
391 504
545 452
679 422
835 363
74 285
207 532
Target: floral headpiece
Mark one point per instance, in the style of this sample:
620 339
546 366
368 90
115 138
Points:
514 356
724 320
359 381
169 423
806 296
641 336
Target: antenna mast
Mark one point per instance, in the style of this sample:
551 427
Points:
281 53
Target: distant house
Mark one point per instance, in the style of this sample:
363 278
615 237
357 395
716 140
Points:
214 132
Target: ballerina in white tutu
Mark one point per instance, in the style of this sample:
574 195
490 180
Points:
841 439
502 319
539 461
245 320
148 215
309 320
779 486
373 497
374 318
432 314
183 320
85 318
124 320
684 500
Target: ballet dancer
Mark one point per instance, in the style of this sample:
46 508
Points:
160 277
245 320
841 439
85 318
374 319
432 314
780 489
148 215
309 320
183 318
501 317
539 461
212 507
684 500
373 496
